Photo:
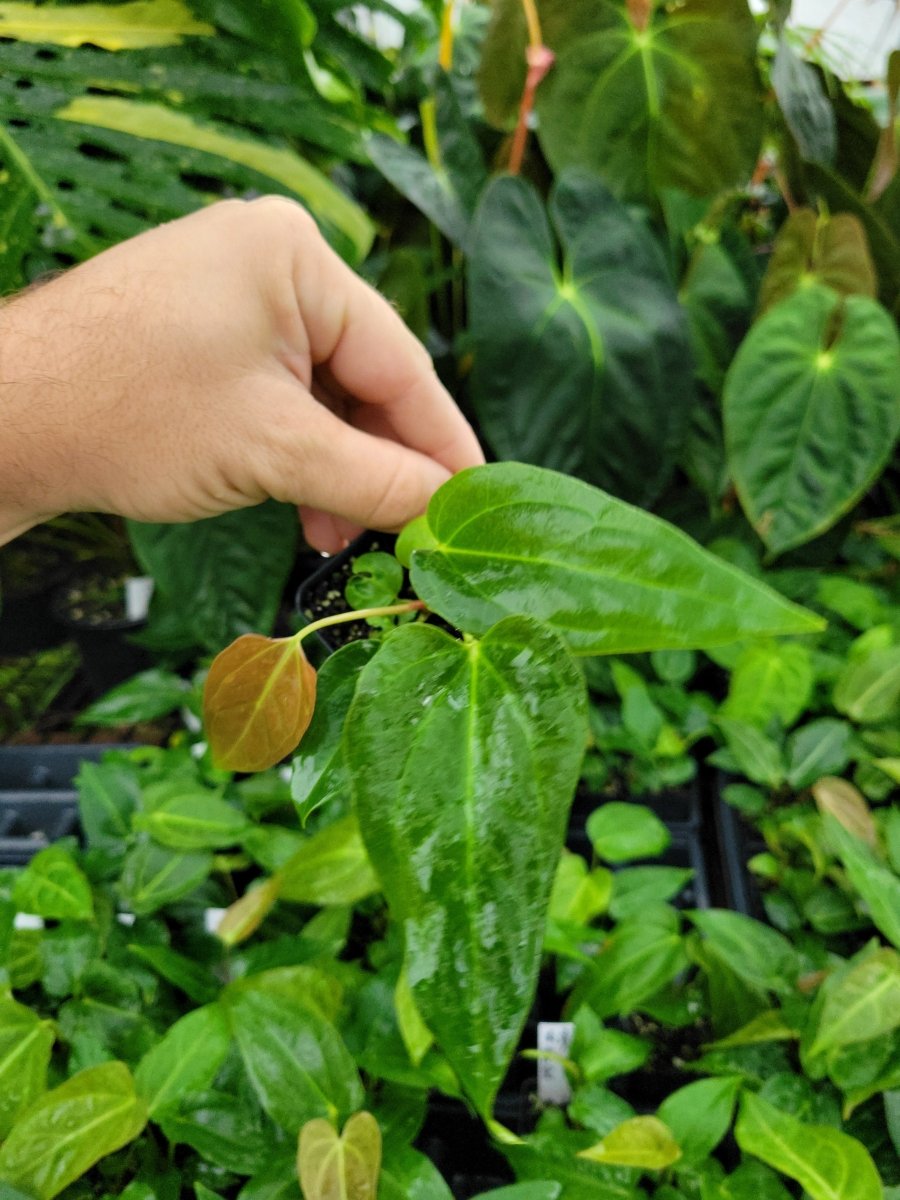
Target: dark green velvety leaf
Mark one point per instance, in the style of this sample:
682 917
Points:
804 104
185 1061
319 775
464 754
151 694
828 1164
25 1044
153 876
583 364
831 250
194 822
222 577
54 886
673 105
610 578
70 1128
295 1059
811 412
108 795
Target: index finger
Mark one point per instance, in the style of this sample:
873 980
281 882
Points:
372 356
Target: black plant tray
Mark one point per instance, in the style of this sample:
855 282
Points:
38 801
737 843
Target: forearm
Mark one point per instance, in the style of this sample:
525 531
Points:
27 441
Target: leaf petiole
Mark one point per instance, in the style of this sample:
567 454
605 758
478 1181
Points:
360 614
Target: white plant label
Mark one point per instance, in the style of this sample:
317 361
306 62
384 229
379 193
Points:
553 1037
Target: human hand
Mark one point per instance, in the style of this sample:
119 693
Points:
210 363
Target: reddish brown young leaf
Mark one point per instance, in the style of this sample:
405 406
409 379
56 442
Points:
258 701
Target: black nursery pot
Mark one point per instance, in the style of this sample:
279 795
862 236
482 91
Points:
322 593
102 632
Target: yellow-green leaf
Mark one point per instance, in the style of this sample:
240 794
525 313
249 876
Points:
132 26
245 916
417 1037
643 1142
258 702
344 1167
161 124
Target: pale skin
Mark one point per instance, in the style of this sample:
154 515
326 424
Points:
213 362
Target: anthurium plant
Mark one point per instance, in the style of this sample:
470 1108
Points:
288 983
462 744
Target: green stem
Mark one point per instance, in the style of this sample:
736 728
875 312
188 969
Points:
361 614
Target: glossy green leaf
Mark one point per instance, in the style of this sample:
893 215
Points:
699 1114
345 1166
578 894
223 1129
417 1037
602 1053
876 883
759 955
54 886
636 887
197 821
108 795
408 1175
863 1003
319 775
756 755
145 697
132 25
565 339
672 105
221 577
186 1060
820 748
610 578
812 248
636 961
868 688
153 876
771 679
196 981
497 729
25 1044
331 868
621 831
70 1128
827 1163
524 1191
296 1060
643 1142
258 701
811 412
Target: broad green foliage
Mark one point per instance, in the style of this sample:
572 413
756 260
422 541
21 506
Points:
70 1128
25 1044
638 1142
811 249
828 1164
811 412
608 577
218 578
54 886
562 343
187 1059
497 727
133 25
